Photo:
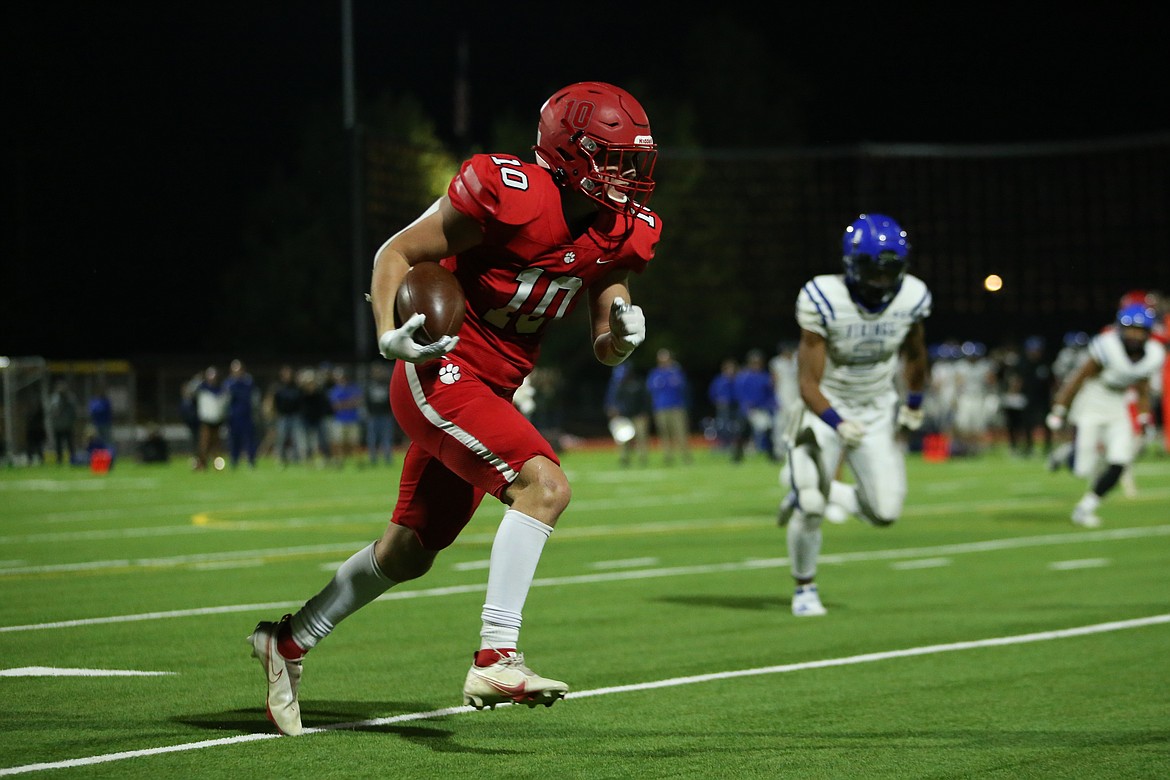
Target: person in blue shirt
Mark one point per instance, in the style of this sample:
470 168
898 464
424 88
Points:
101 414
721 393
755 397
669 397
241 392
347 400
628 399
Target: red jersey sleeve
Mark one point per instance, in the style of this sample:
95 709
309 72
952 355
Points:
490 191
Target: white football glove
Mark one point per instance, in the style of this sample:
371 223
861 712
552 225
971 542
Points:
399 344
851 433
1055 418
910 419
627 326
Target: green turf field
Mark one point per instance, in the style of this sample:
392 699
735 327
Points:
982 636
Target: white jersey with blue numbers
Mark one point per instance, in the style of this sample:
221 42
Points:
861 354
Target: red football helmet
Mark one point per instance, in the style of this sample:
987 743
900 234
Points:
596 137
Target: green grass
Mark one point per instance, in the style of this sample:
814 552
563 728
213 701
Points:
657 584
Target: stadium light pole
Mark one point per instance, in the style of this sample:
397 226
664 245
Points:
361 310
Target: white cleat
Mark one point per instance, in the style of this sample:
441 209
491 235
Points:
510 680
806 602
1085 518
283 676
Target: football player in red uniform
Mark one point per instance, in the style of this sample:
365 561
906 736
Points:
528 242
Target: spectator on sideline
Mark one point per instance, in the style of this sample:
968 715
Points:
211 405
241 393
628 399
755 398
189 414
346 399
519 236
101 413
856 329
286 400
669 397
35 434
63 413
721 392
380 427
1038 387
316 414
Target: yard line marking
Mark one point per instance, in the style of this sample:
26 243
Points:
992 545
925 563
51 671
673 682
1087 563
628 563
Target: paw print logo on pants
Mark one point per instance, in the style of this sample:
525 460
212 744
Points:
449 374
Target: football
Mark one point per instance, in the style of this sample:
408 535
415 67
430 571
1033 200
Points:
430 289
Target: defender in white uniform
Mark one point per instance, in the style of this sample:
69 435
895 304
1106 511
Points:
1120 358
853 328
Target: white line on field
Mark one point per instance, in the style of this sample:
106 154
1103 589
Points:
673 682
1087 563
925 563
992 545
52 671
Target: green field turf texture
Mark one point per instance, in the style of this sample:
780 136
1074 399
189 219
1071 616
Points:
657 582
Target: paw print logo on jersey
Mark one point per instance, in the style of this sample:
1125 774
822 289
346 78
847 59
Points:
449 374
570 257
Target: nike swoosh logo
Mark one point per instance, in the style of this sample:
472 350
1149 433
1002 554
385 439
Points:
268 652
603 262
511 690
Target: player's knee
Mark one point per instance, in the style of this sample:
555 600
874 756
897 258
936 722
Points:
811 501
881 514
541 490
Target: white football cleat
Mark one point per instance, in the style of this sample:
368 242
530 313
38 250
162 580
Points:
510 680
806 602
1086 518
283 676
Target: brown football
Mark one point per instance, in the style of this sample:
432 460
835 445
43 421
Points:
430 289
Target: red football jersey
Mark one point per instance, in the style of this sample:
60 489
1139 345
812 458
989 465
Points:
529 270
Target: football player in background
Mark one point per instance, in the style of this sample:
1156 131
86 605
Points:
1093 399
528 242
853 328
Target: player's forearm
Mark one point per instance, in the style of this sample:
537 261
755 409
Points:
390 267
810 393
916 375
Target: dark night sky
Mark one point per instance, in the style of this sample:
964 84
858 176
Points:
135 132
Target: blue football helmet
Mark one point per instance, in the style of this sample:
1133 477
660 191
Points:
875 254
1137 315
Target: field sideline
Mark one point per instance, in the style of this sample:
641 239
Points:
983 634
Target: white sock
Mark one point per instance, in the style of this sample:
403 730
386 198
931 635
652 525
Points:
357 582
804 545
1090 501
515 552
